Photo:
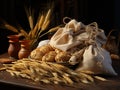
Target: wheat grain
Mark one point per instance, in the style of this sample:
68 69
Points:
47 17
10 27
40 22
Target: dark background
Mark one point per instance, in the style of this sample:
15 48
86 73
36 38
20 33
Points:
104 12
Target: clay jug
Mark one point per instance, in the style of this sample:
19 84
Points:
14 46
25 49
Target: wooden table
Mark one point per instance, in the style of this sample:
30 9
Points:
9 82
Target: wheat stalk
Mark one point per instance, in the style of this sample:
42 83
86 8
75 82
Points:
41 20
5 25
34 34
36 30
51 30
46 25
30 16
47 17
10 27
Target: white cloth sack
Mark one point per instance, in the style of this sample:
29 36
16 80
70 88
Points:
97 60
43 42
64 38
74 33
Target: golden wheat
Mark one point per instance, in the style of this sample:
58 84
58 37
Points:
30 16
37 29
40 22
10 27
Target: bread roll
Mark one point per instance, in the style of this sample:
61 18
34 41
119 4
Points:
38 53
62 57
50 56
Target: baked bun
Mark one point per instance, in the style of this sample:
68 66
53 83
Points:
38 53
62 57
50 56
